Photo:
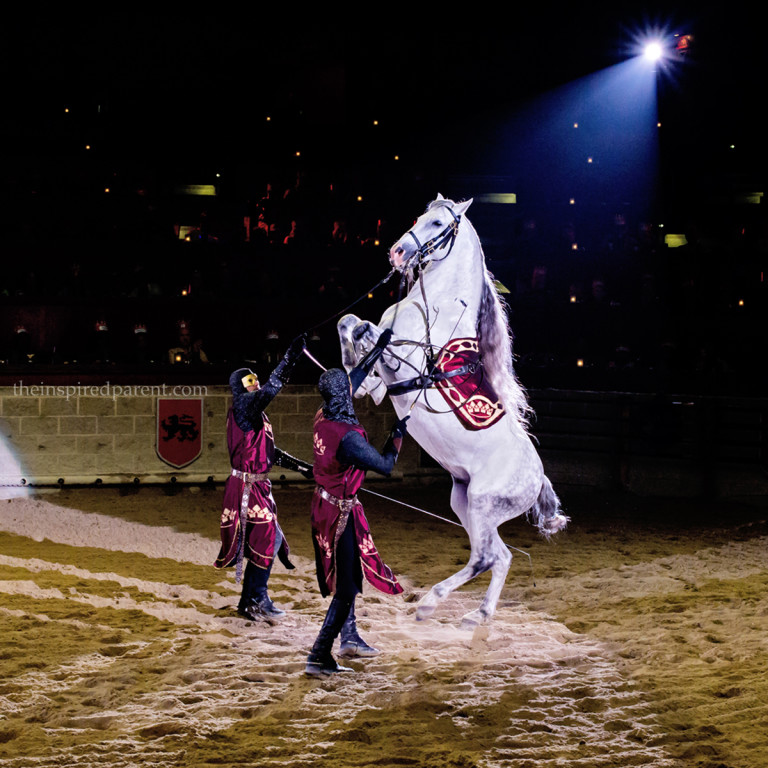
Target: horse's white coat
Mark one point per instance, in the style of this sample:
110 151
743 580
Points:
497 474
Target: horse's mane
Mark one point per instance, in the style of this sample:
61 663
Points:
496 351
495 340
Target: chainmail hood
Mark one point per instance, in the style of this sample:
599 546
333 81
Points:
334 387
241 399
236 383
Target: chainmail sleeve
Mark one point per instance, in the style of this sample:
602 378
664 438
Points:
356 451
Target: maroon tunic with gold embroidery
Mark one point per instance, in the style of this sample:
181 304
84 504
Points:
329 520
252 452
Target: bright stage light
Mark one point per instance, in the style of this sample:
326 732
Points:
653 51
658 47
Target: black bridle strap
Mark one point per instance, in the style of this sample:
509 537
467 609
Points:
422 251
447 235
428 380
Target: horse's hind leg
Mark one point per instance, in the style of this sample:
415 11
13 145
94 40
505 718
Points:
428 603
488 553
501 559
440 591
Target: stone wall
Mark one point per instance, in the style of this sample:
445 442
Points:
647 444
108 433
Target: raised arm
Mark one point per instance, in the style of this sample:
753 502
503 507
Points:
363 368
250 405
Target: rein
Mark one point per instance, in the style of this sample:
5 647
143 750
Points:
352 304
424 254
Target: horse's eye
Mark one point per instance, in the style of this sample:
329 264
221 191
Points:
437 223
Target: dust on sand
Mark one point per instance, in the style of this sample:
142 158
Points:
642 643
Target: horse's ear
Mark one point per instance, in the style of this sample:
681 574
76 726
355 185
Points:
461 208
439 197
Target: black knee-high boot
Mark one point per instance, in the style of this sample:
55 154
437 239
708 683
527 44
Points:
254 600
320 661
351 642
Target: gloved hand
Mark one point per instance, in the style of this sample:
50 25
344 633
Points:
307 472
395 440
384 339
295 349
363 368
399 430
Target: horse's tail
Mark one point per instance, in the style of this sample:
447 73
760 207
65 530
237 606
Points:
496 351
546 512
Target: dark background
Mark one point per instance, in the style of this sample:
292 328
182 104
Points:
165 100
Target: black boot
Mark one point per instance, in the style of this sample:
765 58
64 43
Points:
265 607
254 601
351 642
320 662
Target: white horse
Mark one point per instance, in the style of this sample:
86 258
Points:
452 328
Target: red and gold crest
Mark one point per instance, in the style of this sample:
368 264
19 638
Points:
469 394
179 430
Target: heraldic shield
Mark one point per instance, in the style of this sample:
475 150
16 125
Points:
179 430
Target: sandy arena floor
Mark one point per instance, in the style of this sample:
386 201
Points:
644 641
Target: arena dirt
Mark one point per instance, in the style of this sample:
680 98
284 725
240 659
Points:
635 638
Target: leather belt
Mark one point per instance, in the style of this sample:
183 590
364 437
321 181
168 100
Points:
248 478
345 505
251 477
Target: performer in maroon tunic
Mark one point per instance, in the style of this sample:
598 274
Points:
248 504
344 548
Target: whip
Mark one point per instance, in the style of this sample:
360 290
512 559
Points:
452 522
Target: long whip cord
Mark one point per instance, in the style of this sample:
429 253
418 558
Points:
452 522
356 301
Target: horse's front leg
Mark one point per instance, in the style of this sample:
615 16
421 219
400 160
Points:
349 352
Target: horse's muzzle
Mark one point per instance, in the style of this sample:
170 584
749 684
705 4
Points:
398 256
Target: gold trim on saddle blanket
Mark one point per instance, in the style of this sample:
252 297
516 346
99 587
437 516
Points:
471 396
345 505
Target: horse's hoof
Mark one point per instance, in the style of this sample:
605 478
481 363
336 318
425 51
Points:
473 620
424 612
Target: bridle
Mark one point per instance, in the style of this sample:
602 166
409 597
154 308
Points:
424 255
431 376
426 250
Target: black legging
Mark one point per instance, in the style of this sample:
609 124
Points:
349 573
255 580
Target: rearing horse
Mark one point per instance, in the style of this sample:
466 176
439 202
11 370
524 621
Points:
449 364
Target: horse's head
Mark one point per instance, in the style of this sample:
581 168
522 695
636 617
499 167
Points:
431 236
357 338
